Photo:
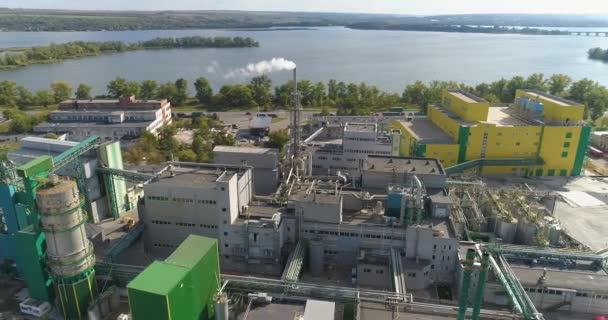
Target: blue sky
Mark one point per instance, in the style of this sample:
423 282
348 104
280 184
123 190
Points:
370 6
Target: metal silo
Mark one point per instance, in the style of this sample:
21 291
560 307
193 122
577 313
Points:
70 256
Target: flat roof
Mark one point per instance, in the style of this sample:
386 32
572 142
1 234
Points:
273 311
250 150
194 177
143 124
404 164
465 96
551 98
159 278
361 127
425 131
502 117
191 251
319 310
564 279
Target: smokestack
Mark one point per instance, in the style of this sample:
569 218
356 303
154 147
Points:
466 284
481 284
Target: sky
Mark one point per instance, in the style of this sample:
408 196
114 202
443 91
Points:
364 6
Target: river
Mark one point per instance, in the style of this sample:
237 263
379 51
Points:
388 59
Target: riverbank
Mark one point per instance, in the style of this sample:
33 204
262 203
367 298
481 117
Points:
12 58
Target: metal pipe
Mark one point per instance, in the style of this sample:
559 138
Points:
481 284
466 284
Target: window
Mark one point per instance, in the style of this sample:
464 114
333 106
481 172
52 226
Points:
568 135
223 209
225 233
517 143
226 245
565 154
566 144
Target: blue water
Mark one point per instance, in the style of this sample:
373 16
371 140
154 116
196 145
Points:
388 59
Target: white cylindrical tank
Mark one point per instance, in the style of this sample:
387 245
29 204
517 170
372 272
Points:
316 257
69 252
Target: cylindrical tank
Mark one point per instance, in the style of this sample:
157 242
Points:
221 307
555 233
506 231
69 252
94 313
316 257
526 233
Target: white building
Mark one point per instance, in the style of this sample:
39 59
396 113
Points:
109 119
265 163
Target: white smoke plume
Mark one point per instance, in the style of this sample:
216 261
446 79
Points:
262 67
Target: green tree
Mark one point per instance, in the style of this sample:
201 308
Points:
597 101
167 91
558 83
318 94
167 143
579 89
117 87
44 98
51 136
132 88
415 94
536 81
204 92
148 90
234 97
8 93
187 155
278 139
61 91
182 92
24 97
261 90
83 92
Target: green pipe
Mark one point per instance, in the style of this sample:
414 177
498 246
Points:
466 284
481 284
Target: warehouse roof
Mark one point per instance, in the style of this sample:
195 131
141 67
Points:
502 116
159 278
465 96
191 251
426 132
251 150
361 127
189 176
404 164
70 125
551 98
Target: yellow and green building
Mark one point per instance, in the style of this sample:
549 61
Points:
538 135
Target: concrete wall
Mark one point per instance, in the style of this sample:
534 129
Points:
373 276
266 166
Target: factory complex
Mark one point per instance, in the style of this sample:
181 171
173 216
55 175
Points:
471 211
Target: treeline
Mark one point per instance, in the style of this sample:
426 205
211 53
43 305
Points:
588 92
14 58
455 28
598 54
345 98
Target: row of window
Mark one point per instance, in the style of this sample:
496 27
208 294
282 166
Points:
378 271
559 293
317 166
183 224
181 200
354 235
386 153
360 139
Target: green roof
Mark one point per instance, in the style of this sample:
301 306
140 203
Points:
159 278
191 251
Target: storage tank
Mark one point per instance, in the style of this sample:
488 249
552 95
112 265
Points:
526 233
555 233
316 257
70 256
395 196
506 231
221 307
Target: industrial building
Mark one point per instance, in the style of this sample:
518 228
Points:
540 135
347 154
264 161
108 119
